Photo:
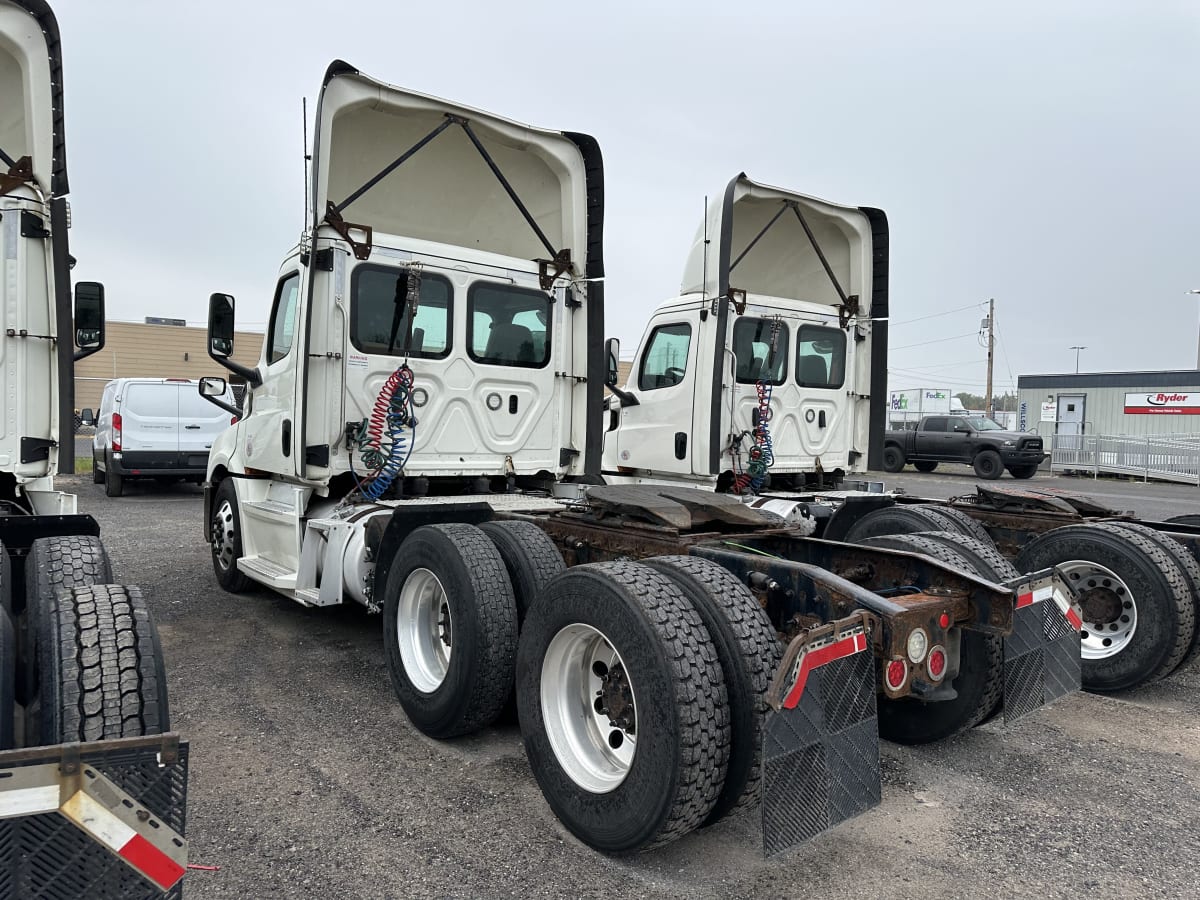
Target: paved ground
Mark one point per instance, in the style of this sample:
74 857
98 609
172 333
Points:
308 781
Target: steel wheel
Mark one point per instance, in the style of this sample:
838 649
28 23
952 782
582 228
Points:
1109 608
424 630
224 536
589 708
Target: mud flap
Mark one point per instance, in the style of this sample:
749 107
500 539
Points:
1042 655
820 760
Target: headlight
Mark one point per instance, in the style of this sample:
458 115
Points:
918 644
1010 444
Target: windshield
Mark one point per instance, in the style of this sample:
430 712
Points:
979 423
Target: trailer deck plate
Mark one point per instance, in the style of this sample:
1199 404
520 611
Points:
48 856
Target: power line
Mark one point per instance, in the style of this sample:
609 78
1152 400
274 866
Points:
948 312
957 337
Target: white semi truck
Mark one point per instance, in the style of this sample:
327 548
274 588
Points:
424 435
92 782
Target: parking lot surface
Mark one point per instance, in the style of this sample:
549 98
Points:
308 781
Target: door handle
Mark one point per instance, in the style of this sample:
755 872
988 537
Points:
192 427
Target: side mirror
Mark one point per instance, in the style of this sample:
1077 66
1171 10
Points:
612 372
213 386
87 417
89 318
220 326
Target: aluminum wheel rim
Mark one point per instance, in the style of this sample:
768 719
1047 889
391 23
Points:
224 533
1102 639
424 630
596 754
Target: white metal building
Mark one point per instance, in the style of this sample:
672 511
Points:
1110 403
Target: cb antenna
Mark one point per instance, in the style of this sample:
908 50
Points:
704 272
306 154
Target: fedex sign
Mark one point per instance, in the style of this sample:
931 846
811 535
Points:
1170 403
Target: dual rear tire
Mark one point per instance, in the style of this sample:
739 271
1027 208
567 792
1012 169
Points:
640 685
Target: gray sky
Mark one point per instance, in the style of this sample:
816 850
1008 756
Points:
1045 154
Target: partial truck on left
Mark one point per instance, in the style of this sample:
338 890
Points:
92 782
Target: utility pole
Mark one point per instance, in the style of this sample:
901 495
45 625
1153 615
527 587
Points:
1077 348
989 405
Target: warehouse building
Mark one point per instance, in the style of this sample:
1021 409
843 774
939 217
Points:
1136 404
155 350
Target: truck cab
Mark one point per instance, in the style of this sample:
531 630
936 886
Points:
441 316
768 360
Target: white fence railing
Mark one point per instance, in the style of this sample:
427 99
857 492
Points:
1173 457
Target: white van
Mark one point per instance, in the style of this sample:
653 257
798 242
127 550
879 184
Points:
154 428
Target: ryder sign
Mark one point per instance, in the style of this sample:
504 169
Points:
1169 403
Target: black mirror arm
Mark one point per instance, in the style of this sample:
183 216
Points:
626 398
228 407
251 375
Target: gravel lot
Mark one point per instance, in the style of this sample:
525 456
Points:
308 781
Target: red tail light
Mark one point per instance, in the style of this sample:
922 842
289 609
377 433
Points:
937 663
896 674
116 435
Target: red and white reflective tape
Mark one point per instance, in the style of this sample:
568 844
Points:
106 828
819 656
1049 592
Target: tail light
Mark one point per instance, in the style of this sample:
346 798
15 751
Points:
937 663
116 435
896 674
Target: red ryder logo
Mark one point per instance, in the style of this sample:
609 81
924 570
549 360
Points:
1175 403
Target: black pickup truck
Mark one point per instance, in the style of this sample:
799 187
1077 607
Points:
974 440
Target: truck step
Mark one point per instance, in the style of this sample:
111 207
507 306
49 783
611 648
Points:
311 596
270 510
273 575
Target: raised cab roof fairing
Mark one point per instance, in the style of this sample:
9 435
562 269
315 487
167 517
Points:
31 108
446 191
758 244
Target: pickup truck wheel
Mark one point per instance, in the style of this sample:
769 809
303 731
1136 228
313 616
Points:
8 679
114 484
980 678
102 667
529 556
54 564
450 629
1026 471
1190 567
623 706
1138 615
900 519
893 458
225 538
748 650
925 465
988 465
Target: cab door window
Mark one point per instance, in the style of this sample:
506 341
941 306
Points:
283 318
821 357
664 363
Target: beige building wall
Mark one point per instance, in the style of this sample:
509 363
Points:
134 350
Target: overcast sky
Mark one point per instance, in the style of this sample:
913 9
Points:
1045 154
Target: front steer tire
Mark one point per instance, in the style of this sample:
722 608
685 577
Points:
450 629
654 640
102 667
225 539
988 465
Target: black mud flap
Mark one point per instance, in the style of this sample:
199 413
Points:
1042 655
820 760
